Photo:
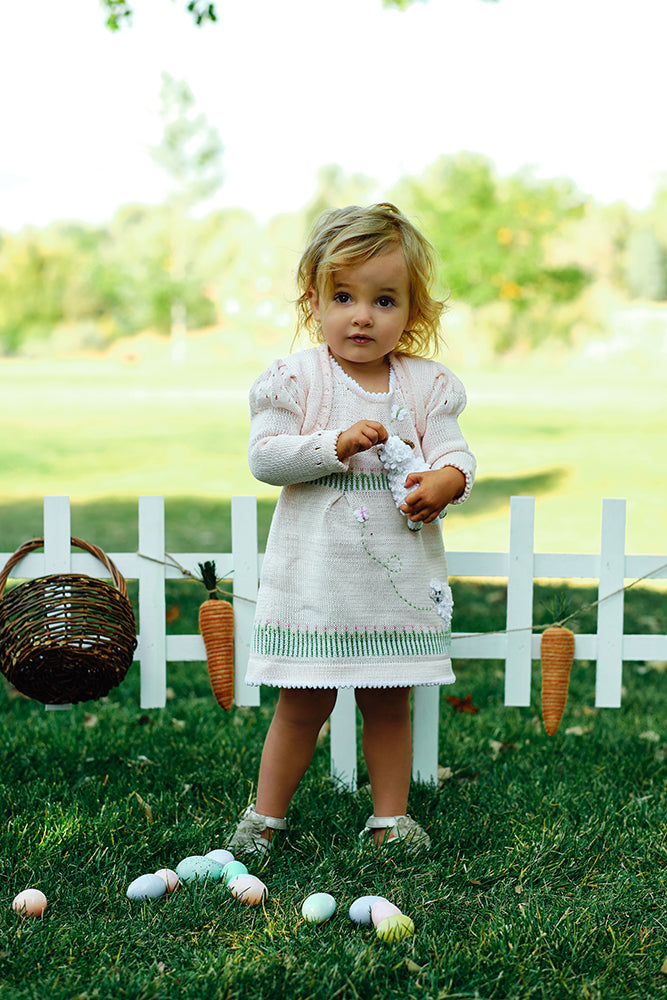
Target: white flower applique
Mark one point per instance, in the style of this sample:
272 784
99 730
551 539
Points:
361 514
441 595
398 412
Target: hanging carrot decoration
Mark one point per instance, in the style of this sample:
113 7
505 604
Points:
216 624
557 654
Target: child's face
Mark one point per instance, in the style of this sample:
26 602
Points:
365 311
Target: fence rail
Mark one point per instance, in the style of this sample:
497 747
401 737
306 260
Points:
151 565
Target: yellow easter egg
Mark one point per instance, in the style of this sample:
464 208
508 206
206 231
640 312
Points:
395 927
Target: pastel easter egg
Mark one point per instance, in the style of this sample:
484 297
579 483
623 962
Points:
29 903
170 878
146 887
232 869
318 907
395 927
360 909
197 867
221 855
382 909
248 889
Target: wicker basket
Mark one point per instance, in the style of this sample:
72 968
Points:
65 638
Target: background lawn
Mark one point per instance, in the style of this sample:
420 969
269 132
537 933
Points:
548 872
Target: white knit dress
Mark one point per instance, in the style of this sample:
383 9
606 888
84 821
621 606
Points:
349 596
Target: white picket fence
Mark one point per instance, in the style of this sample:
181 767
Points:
151 565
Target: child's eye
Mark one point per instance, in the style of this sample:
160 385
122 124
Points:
385 300
341 297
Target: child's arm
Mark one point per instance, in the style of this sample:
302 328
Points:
435 490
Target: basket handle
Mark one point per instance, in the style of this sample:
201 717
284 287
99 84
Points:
117 577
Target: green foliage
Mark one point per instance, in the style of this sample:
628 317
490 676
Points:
119 12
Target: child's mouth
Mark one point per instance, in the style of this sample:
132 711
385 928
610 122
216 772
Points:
361 340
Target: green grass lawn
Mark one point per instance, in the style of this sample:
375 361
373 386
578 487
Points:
132 424
547 876
548 873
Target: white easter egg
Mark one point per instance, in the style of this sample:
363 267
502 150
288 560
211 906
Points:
170 878
318 907
196 866
30 903
146 887
248 889
360 909
221 855
383 909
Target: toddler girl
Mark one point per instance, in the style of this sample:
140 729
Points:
349 597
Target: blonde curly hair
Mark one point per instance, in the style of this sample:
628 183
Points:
344 237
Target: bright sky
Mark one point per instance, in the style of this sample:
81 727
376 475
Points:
571 87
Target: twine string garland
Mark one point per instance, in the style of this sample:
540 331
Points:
468 635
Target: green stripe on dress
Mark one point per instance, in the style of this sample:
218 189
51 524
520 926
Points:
292 642
353 481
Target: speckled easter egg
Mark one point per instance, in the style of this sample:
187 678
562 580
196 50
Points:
170 878
232 869
395 927
248 889
146 887
196 866
360 909
29 903
221 855
382 909
318 907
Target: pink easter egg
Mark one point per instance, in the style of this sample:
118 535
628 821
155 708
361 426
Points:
170 878
248 889
30 902
382 909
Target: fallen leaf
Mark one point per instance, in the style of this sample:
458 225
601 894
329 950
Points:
179 723
575 731
650 735
90 720
462 704
444 774
663 967
412 966
145 806
498 747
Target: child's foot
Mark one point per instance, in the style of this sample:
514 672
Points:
390 830
255 832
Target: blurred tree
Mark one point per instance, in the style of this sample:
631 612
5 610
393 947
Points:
646 265
494 234
190 152
119 12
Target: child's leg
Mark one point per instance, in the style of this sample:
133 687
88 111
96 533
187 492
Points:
387 746
289 745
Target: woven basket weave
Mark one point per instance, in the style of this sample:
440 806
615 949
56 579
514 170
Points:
65 638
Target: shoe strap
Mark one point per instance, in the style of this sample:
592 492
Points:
273 823
381 822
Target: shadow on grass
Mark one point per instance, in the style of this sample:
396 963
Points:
204 523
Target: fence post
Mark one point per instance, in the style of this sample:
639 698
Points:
152 650
57 548
520 601
425 730
344 740
609 672
246 575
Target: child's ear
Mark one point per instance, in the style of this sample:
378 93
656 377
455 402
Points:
314 303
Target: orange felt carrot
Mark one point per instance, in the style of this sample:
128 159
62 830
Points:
557 654
216 624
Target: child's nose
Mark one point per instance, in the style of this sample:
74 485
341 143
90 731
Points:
362 315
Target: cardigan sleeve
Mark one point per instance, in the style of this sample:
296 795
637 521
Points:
278 453
443 443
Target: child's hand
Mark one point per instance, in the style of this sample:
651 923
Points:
360 437
435 489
